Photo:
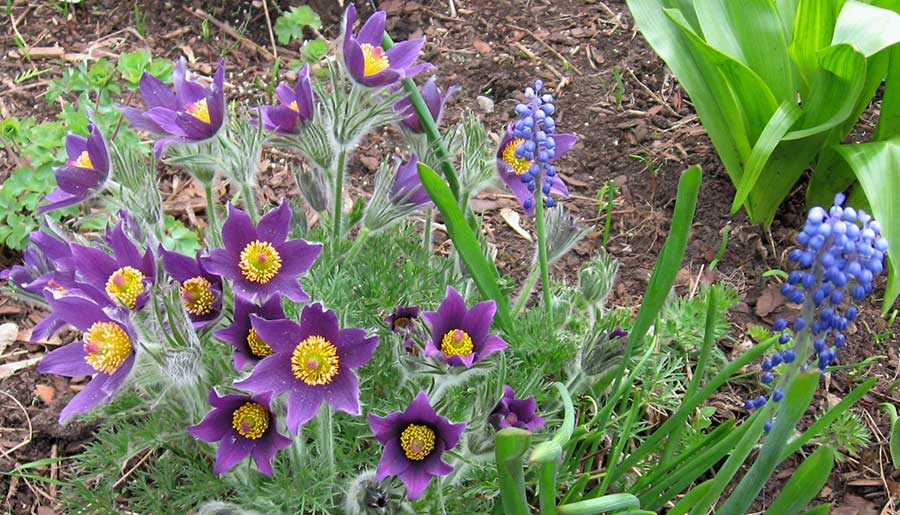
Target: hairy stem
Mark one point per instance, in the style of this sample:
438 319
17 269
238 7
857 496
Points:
338 195
326 436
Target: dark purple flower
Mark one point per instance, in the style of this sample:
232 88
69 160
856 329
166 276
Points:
402 321
414 442
192 113
407 187
248 346
46 263
313 361
512 167
512 412
201 291
105 352
259 260
84 174
462 333
296 107
367 62
244 426
433 99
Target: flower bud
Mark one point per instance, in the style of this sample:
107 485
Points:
313 184
596 277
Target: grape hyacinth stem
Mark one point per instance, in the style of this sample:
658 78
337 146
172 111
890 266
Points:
542 249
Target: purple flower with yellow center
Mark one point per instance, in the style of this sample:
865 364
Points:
244 425
367 62
403 322
46 263
313 360
248 346
121 279
433 99
201 291
460 335
414 442
189 114
84 174
297 106
259 260
512 412
106 352
513 168
407 187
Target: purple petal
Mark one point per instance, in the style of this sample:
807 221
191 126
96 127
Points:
477 320
380 79
96 148
75 145
342 393
281 335
449 315
78 181
285 93
385 428
273 227
78 311
272 374
213 427
58 199
416 482
404 54
232 450
179 266
558 187
138 121
125 251
393 461
353 58
194 128
297 256
156 93
215 99
373 30
186 90
315 320
223 263
492 344
167 120
162 143
564 142
279 119
238 230
303 404
265 451
67 360
355 348
90 396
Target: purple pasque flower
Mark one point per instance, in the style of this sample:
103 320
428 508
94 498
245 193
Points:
433 99
105 351
313 360
85 172
191 113
244 425
201 291
459 335
403 322
512 412
414 441
297 106
46 263
259 260
248 346
365 59
121 279
407 187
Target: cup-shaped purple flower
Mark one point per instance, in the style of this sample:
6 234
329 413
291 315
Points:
84 174
313 360
189 114
201 291
121 279
414 442
248 346
460 336
297 106
367 61
259 260
513 412
46 263
106 352
244 425
433 99
403 322
407 187
513 168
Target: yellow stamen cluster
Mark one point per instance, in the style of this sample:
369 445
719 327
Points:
197 296
417 441
107 346
375 59
250 420
518 164
315 361
259 262
258 347
293 105
199 110
125 285
457 343
83 160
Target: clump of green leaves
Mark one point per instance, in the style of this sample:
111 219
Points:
847 435
290 26
133 64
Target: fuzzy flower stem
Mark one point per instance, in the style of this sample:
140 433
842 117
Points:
326 436
542 248
526 290
338 195
211 222
426 237
363 235
250 202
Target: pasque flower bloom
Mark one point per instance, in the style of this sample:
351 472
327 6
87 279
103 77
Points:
460 335
248 346
365 59
313 360
414 442
201 291
296 107
402 321
259 260
85 172
192 113
46 263
407 187
512 412
245 426
431 94
106 352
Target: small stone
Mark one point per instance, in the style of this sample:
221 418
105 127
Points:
485 104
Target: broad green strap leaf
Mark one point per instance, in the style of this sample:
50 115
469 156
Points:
876 167
805 484
690 498
822 509
867 28
788 11
894 436
605 504
483 272
889 119
813 31
511 445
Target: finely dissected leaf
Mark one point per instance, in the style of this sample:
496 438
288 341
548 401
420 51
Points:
511 445
867 28
805 483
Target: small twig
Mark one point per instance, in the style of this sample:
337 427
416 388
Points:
656 97
452 7
132 469
54 469
8 452
231 32
562 78
550 48
269 26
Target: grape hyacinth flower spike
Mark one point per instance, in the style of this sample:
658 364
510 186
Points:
461 332
433 99
245 426
84 174
248 346
367 61
313 361
201 291
407 187
105 352
297 106
512 412
414 442
190 114
259 260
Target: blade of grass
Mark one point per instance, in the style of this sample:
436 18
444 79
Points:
805 483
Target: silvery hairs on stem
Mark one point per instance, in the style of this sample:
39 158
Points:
242 152
138 190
